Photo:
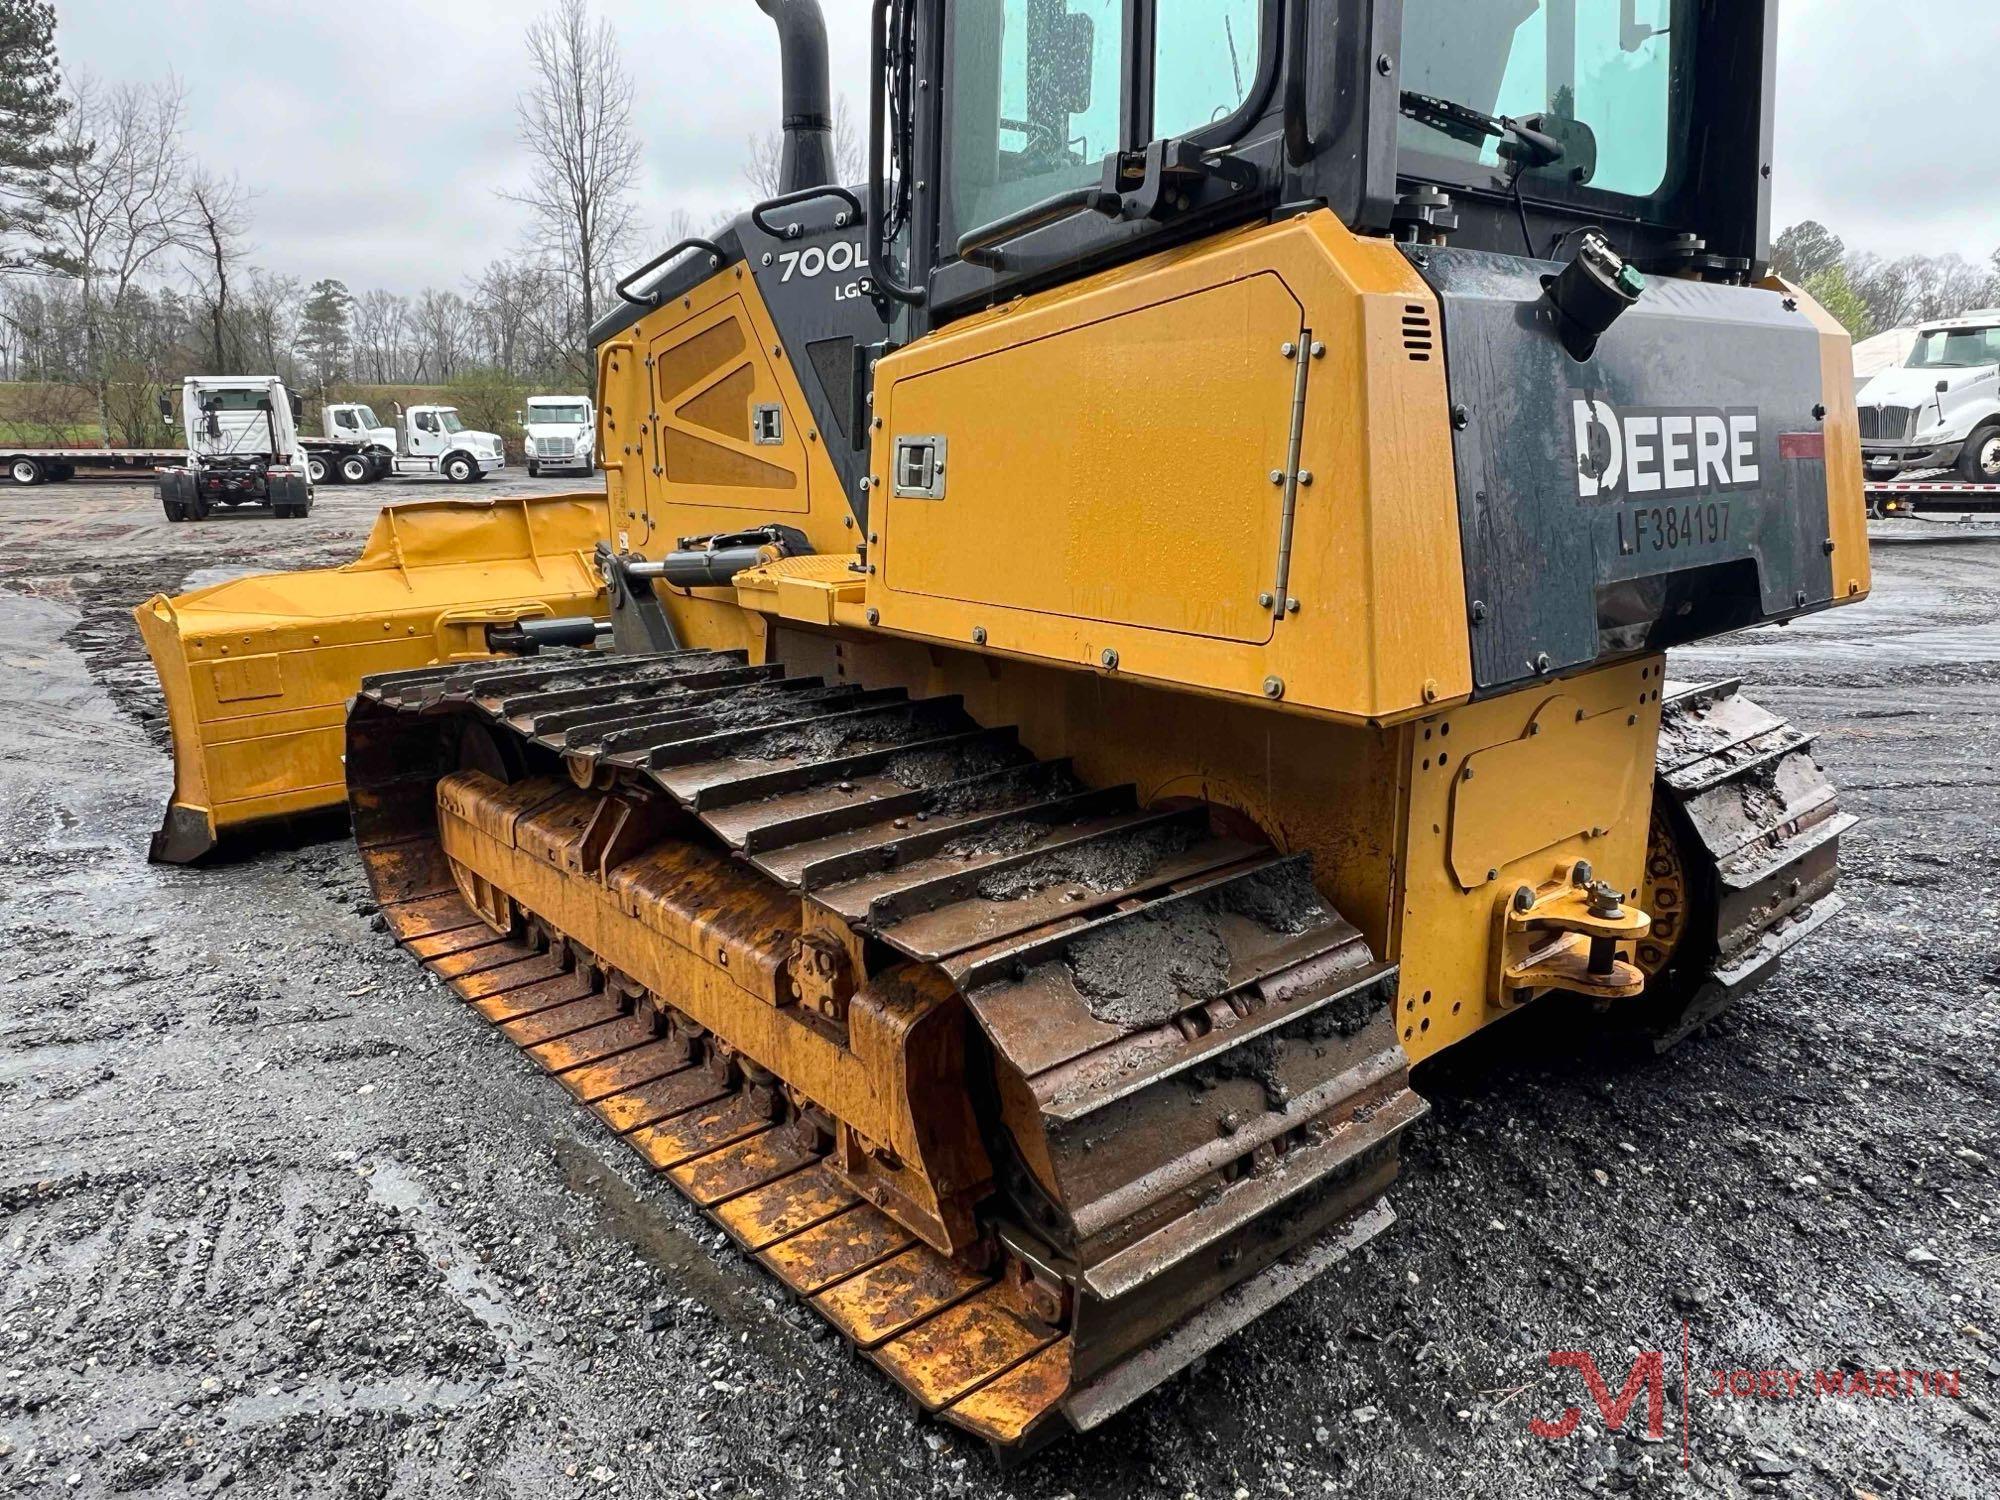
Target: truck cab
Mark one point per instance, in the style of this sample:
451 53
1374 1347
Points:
434 440
560 433
1941 408
243 448
353 446
355 422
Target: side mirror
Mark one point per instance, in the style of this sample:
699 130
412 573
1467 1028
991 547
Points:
1943 386
1578 161
522 420
1075 48
166 408
298 407
1632 32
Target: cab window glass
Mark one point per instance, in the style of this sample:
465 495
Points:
233 400
1600 74
1205 60
1035 102
1955 349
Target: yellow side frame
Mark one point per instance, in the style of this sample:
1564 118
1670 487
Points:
1091 428
1560 772
1846 496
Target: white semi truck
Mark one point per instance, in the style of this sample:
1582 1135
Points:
243 448
561 433
359 448
432 440
354 446
1940 409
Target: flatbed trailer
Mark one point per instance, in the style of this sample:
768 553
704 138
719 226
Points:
330 460
1901 497
53 465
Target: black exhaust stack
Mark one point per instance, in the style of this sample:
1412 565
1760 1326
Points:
808 158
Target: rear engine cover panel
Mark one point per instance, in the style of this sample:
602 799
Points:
1671 487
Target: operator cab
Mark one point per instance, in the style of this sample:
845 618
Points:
1073 133
1639 425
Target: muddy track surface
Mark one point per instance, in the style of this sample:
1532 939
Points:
278 1218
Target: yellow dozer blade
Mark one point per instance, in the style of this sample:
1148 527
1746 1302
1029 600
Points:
257 672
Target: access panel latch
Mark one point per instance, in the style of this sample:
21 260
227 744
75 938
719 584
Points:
920 467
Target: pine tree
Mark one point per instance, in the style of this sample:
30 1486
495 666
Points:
31 107
324 338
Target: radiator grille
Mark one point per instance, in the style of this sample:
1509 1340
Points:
1892 424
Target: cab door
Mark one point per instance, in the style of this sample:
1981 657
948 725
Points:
426 435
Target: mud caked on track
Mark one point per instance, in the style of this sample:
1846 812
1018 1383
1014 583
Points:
281 1217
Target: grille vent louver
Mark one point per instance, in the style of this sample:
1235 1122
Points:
1419 338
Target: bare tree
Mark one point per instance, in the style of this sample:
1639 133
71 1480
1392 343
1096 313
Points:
381 334
1917 288
443 324
122 204
41 321
576 121
504 297
218 214
1956 285
762 163
270 328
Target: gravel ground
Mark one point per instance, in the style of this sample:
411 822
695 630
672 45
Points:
278 1219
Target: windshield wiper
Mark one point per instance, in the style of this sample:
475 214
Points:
1520 142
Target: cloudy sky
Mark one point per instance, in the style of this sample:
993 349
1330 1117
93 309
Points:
377 134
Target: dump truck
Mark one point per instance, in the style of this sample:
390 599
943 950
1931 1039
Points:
1134 628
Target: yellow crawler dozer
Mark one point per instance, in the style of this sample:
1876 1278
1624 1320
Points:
1136 626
